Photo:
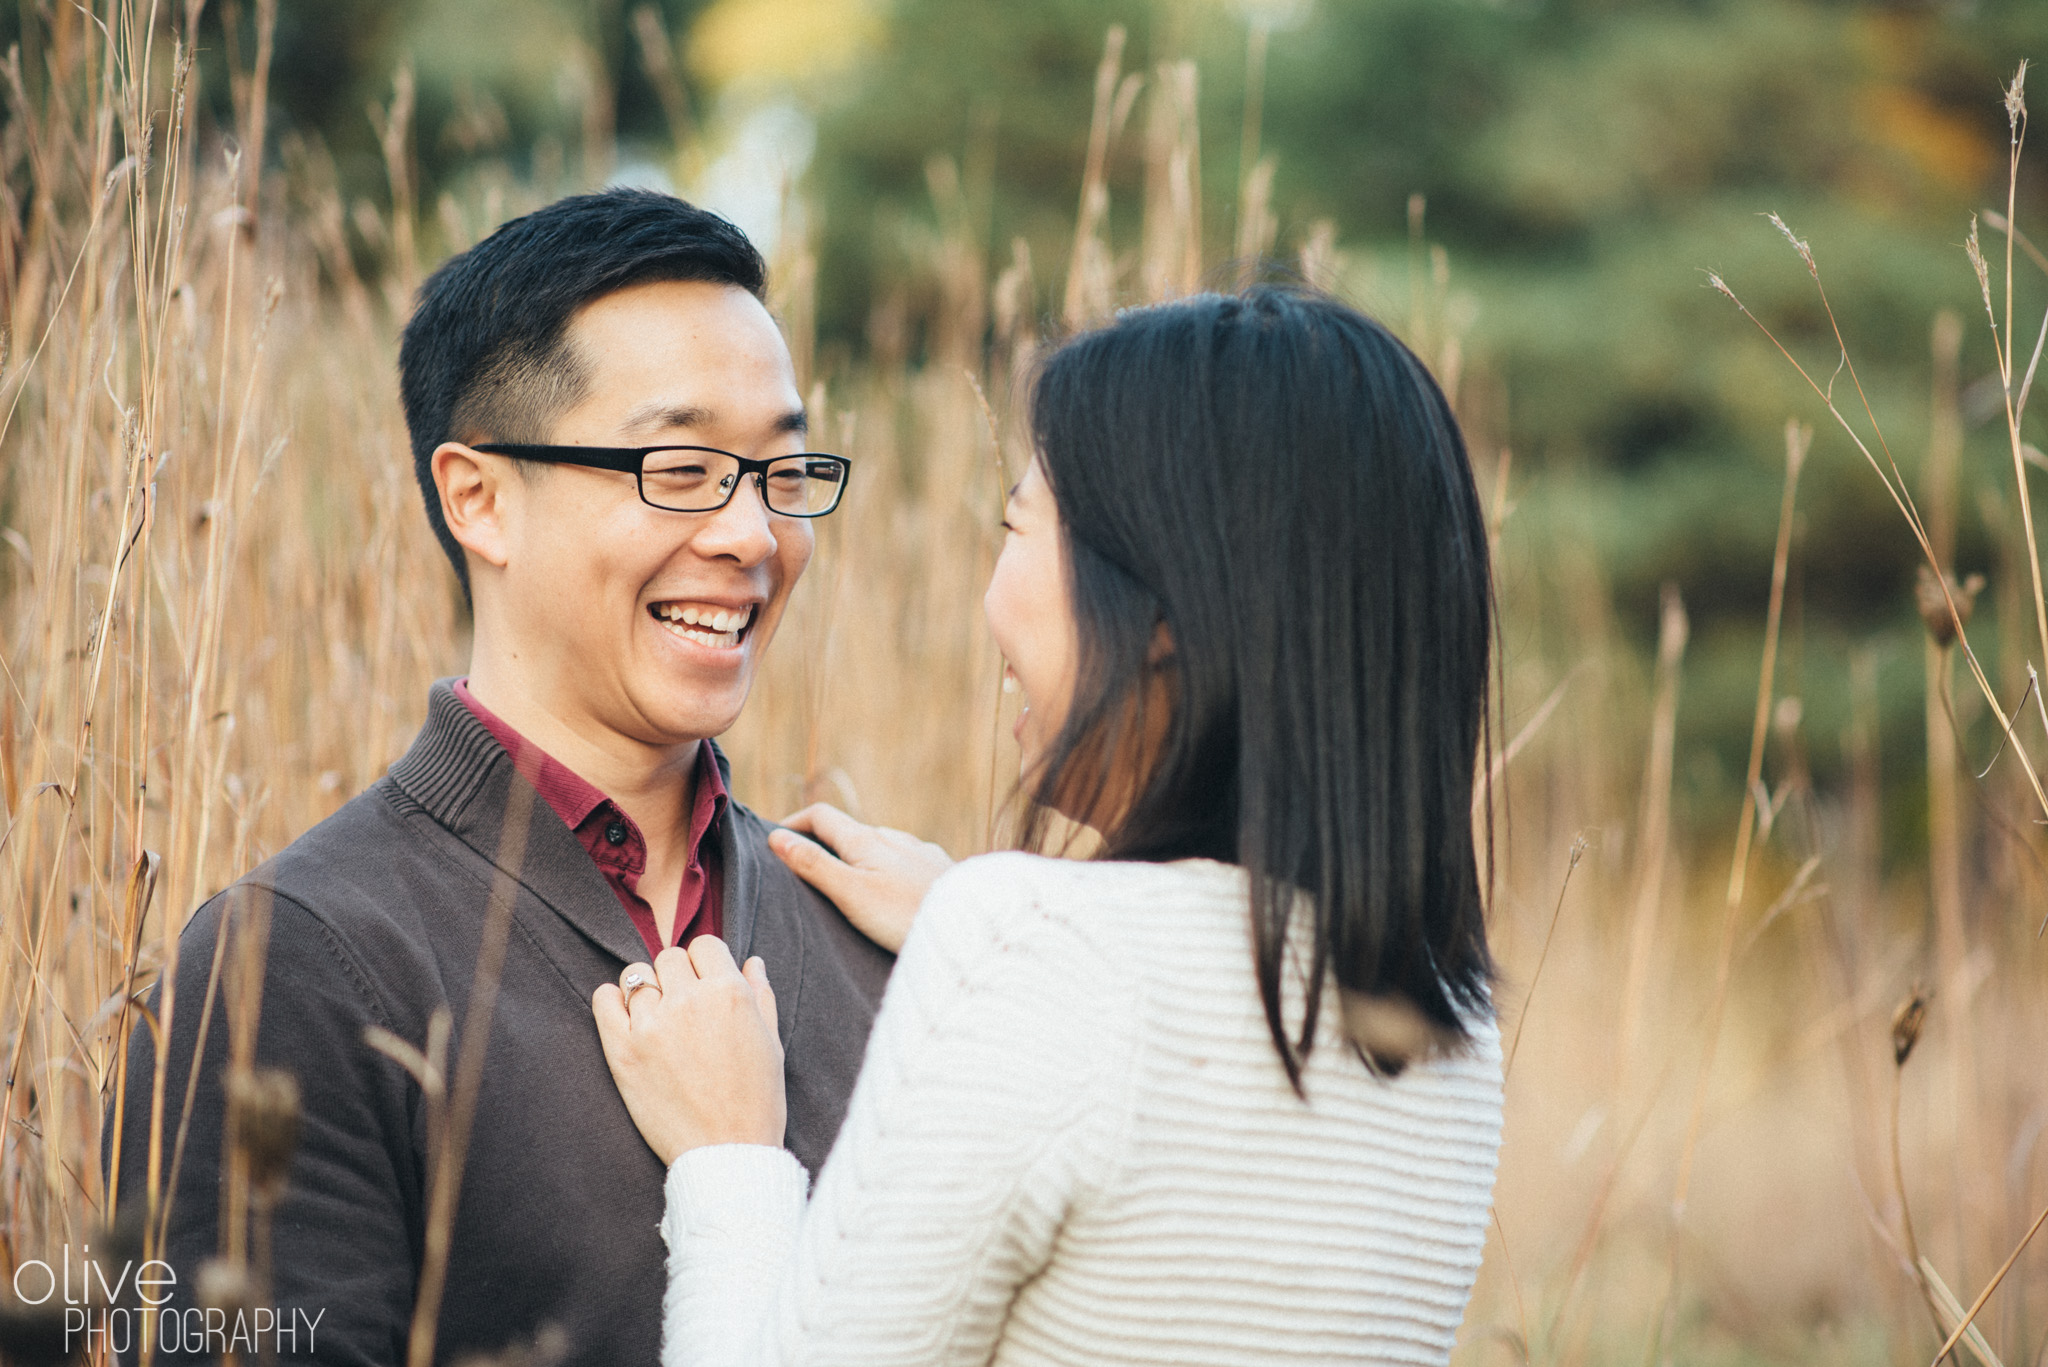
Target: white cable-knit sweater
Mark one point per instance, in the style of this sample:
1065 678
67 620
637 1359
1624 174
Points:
1072 1142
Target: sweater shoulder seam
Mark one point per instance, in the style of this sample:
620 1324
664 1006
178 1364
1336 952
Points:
337 947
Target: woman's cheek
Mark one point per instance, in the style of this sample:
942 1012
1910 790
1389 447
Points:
995 605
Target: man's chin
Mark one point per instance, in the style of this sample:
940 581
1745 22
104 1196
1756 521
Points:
682 723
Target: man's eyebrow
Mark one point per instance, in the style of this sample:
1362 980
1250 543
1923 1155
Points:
661 413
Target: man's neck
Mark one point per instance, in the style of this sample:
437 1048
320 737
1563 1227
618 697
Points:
655 785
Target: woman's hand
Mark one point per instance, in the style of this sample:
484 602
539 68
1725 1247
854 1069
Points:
876 876
696 1057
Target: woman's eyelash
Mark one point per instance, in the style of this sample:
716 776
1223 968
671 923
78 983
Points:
1005 525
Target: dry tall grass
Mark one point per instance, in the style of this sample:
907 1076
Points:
223 606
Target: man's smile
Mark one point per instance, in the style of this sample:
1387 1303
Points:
719 626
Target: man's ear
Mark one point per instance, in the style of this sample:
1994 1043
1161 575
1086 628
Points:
474 492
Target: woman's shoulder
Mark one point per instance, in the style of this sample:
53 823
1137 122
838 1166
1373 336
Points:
1095 919
1017 872
1003 945
996 887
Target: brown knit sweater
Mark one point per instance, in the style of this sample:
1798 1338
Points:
375 918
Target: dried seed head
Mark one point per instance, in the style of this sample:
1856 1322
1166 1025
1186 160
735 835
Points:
548 1347
264 1107
1942 625
225 1286
121 1240
1973 247
1389 1032
1799 244
1906 1023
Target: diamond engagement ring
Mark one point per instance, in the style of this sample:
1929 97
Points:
634 979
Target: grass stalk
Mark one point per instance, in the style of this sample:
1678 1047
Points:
1088 270
451 1151
1578 852
1798 440
1895 486
2002 335
1969 1317
1653 822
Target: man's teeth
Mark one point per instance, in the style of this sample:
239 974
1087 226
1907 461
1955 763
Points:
712 625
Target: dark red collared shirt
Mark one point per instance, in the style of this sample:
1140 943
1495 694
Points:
612 839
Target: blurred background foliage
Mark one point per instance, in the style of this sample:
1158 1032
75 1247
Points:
1549 178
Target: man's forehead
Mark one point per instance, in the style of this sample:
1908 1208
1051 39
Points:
656 415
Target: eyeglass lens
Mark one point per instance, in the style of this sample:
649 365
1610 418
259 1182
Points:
698 481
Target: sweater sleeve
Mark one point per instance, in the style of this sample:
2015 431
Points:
343 1248
994 1098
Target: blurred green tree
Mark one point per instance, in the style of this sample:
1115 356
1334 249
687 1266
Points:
1583 160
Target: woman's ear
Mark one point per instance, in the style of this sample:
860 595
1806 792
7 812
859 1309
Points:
474 500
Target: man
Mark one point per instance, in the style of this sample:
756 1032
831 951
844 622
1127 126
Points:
622 604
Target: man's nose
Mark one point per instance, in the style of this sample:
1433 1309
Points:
740 530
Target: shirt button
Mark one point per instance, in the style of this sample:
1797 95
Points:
615 833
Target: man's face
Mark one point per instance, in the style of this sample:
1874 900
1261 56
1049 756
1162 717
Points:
617 605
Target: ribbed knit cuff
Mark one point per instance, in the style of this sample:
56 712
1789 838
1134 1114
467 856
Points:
728 1188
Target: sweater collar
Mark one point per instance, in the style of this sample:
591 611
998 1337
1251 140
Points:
463 778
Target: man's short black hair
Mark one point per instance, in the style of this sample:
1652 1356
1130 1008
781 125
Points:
486 355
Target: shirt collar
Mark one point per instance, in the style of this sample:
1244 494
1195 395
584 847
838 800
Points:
572 797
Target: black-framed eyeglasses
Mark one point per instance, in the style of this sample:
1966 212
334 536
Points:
702 479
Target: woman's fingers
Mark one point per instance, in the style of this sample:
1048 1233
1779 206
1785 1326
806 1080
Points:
710 958
803 820
674 970
860 847
614 1029
697 1059
876 876
813 863
764 995
609 1004
834 829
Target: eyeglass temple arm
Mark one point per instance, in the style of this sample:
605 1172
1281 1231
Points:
623 458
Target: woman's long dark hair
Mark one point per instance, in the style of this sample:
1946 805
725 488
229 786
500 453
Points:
1280 482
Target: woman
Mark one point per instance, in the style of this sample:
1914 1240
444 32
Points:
1231 1091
